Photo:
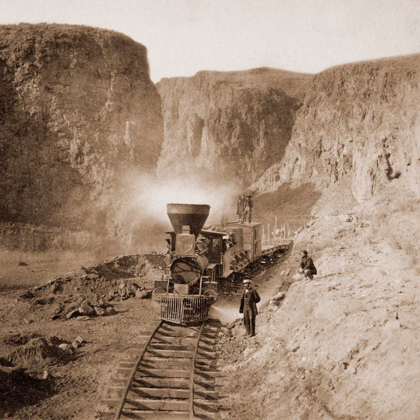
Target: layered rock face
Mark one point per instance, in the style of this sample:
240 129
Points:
77 111
230 125
359 119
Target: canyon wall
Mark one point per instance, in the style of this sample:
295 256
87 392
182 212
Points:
228 125
77 112
360 120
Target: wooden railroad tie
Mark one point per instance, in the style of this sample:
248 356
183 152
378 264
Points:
174 376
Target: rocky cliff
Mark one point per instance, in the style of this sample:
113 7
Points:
228 124
77 111
360 120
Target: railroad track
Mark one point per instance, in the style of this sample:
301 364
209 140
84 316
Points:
169 374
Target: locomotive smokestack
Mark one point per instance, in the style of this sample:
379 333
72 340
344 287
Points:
192 215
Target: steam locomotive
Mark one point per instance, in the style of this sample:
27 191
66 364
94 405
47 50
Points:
201 260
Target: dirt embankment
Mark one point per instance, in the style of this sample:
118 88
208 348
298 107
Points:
345 345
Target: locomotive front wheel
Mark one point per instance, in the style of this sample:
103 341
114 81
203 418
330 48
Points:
211 294
157 292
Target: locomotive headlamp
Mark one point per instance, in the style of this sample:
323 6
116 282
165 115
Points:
185 244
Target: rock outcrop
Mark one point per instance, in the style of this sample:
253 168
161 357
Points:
77 111
360 120
228 125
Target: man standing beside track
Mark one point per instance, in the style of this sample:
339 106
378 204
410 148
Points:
249 301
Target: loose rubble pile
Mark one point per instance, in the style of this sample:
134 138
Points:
87 292
36 352
86 309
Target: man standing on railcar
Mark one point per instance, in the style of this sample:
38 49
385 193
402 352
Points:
240 208
248 209
249 301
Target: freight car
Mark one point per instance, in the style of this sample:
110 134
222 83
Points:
200 260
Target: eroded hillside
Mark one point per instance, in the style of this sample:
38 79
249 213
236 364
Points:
344 345
78 111
228 125
359 119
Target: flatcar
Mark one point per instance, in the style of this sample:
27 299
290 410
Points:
201 260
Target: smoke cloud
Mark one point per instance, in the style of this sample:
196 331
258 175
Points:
143 199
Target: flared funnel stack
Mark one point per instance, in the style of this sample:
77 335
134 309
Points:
192 215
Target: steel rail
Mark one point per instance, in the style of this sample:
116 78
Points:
191 408
120 408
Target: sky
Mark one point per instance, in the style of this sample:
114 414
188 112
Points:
187 36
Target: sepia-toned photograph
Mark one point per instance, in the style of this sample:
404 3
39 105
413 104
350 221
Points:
210 209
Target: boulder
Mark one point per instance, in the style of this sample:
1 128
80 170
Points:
100 311
73 314
86 308
142 294
64 346
110 311
102 304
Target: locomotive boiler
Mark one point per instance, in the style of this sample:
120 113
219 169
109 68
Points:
183 293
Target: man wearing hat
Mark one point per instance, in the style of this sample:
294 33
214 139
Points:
240 207
247 214
307 266
249 301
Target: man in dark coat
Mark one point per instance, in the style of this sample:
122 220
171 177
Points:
243 208
247 214
249 301
240 207
307 266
